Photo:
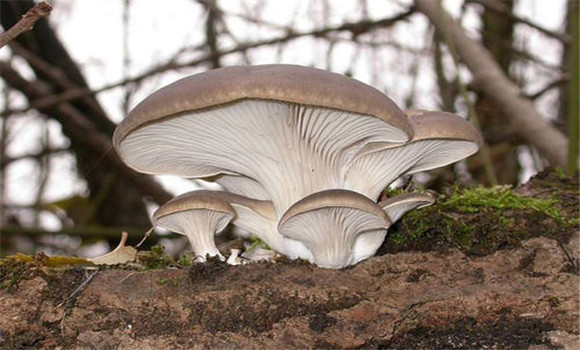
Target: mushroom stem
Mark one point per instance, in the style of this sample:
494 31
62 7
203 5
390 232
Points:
200 227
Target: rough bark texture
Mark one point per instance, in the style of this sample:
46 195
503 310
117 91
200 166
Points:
497 35
490 80
515 296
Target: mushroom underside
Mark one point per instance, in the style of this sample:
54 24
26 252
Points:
330 233
200 226
329 223
301 163
371 172
291 150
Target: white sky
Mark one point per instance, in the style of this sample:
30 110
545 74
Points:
92 31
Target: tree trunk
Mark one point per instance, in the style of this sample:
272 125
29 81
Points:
525 121
497 36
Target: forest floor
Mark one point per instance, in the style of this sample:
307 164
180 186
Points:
481 269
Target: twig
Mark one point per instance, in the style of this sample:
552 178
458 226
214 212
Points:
40 10
5 161
573 262
78 289
498 7
145 236
554 84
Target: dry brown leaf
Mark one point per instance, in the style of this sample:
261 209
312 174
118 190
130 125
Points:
122 254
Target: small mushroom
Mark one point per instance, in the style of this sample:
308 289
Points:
327 223
199 218
397 206
257 217
439 139
366 245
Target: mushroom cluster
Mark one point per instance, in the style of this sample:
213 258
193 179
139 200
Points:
302 155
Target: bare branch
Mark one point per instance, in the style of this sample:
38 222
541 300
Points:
498 7
5 161
26 23
491 80
357 28
84 133
554 84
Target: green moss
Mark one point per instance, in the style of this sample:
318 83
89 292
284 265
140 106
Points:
474 199
19 267
155 258
480 220
186 259
60 261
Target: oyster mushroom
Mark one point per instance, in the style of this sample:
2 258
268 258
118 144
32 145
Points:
395 207
199 218
327 223
254 216
291 129
439 139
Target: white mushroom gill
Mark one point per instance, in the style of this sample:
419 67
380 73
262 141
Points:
329 233
373 171
242 185
327 223
200 226
291 150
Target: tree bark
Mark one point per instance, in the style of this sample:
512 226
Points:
497 35
441 297
491 80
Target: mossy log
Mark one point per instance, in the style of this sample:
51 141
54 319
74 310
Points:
481 269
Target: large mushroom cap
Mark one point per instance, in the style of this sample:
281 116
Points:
329 222
288 131
277 82
444 125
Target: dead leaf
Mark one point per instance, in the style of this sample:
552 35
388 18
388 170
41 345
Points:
122 254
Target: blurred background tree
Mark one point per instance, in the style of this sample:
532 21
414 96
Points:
509 66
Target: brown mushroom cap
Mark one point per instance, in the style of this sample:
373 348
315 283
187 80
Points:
278 82
333 199
436 124
199 218
214 200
